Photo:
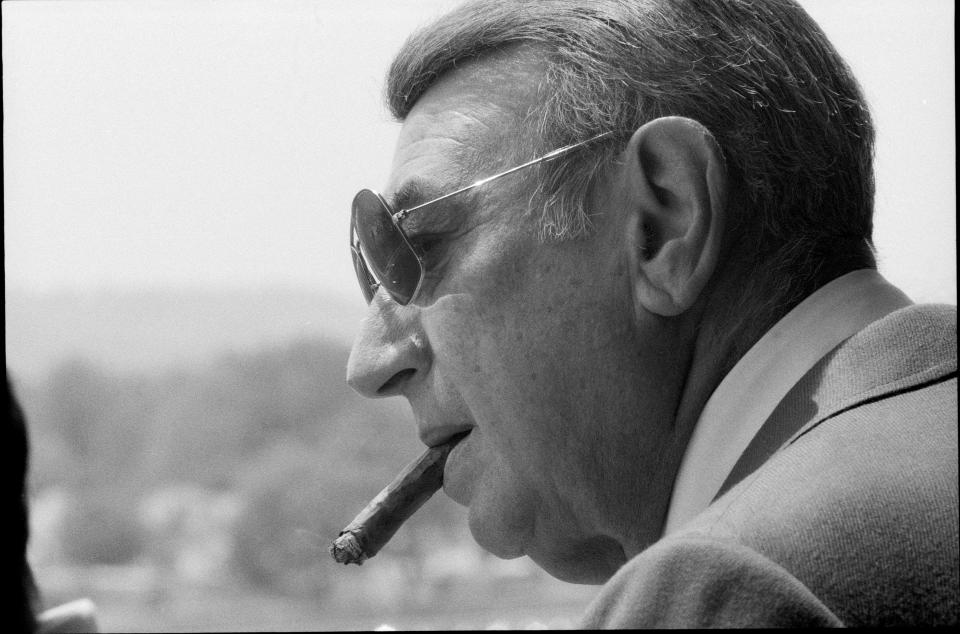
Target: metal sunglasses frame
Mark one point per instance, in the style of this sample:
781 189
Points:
370 284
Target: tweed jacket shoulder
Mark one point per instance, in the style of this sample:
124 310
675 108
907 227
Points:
852 521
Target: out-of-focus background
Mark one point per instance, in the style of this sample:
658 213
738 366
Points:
180 302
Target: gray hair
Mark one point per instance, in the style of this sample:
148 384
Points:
785 109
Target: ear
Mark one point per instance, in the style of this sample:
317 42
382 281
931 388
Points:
676 187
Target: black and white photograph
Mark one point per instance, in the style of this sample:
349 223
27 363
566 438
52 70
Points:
377 315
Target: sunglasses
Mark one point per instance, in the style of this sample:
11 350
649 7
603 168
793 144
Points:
383 255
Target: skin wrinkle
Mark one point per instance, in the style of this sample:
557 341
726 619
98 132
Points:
554 367
581 397
551 294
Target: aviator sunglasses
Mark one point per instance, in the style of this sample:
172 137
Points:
382 254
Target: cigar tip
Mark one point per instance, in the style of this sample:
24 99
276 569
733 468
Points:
346 549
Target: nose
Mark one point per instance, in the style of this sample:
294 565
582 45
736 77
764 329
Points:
390 350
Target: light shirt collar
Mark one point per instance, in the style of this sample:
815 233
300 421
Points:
750 392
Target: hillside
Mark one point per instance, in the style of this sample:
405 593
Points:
151 330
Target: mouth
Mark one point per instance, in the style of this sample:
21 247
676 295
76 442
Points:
453 440
457 483
434 434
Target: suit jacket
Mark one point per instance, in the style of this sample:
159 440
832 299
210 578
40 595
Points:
853 520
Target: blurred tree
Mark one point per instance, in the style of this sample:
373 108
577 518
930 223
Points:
91 426
78 399
288 518
101 527
278 430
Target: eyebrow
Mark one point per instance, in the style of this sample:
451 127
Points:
411 194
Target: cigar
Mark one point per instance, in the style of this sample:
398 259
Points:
369 531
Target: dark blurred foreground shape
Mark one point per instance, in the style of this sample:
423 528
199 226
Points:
75 616
25 593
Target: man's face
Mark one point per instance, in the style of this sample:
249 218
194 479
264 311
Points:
533 347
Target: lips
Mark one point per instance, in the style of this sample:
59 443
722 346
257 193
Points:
455 439
432 433
457 483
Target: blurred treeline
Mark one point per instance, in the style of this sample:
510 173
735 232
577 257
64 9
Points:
199 498
242 470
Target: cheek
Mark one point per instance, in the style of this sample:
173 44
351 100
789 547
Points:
518 333
481 313
499 368
479 349
519 342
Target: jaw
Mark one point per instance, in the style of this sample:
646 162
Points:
589 561
510 520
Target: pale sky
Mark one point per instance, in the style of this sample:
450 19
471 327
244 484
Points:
198 143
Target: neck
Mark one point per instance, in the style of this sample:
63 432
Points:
733 318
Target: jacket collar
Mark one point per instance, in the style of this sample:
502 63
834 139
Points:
752 390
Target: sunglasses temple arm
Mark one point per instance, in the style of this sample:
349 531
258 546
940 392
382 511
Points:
400 215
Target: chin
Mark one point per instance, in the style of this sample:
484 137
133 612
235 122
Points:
589 561
497 540
509 530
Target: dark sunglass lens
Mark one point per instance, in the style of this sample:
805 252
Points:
367 284
393 262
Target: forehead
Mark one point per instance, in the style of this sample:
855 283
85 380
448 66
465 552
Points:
469 118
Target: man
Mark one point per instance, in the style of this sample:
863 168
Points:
680 372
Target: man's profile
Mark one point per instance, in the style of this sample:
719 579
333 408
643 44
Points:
625 248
